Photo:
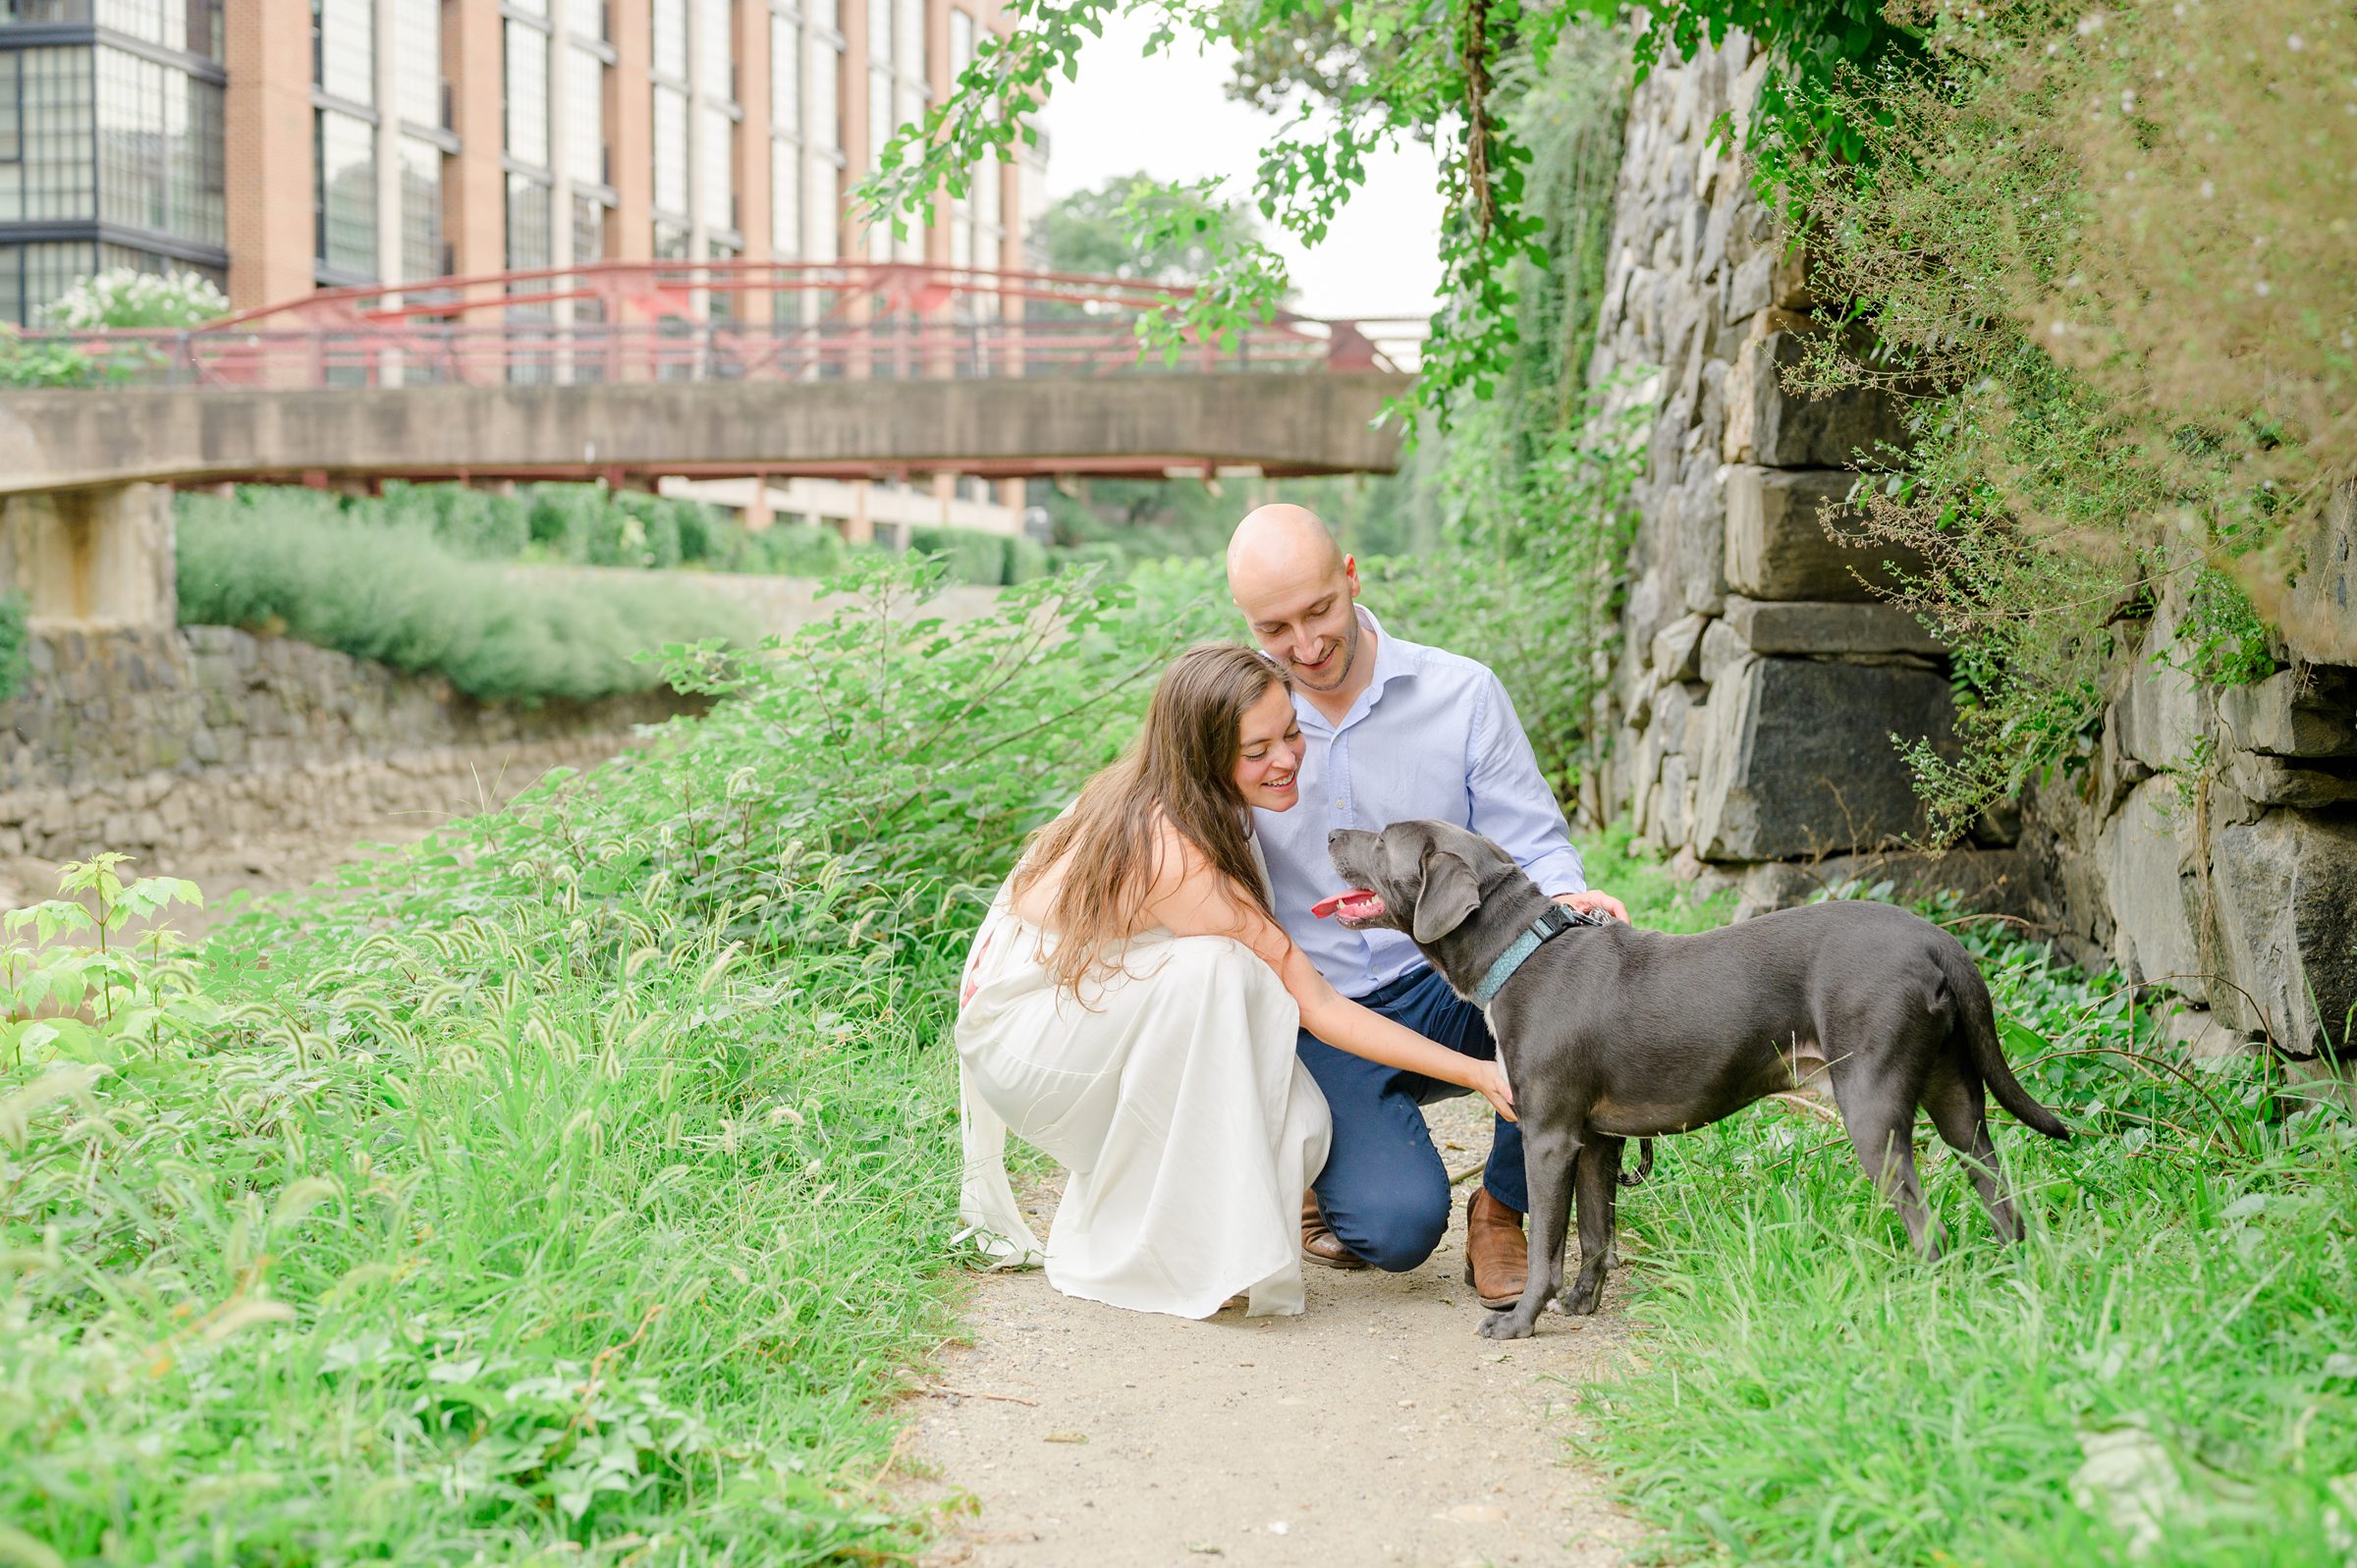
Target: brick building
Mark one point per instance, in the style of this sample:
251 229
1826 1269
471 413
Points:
281 145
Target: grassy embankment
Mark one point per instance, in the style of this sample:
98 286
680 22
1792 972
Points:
572 1186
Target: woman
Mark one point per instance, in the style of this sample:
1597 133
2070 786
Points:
1131 1008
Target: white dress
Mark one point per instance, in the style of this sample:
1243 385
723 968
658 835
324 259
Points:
1175 1100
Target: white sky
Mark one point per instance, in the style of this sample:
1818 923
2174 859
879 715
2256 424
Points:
1166 115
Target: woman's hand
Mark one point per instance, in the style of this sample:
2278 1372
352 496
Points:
1488 1079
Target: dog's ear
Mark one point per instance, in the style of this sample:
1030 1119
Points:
1449 894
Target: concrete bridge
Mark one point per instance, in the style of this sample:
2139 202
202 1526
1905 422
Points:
629 372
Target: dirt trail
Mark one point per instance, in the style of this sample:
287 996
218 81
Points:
1377 1427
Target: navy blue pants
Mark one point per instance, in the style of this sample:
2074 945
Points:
1385 1190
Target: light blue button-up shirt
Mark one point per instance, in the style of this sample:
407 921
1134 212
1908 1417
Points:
1433 736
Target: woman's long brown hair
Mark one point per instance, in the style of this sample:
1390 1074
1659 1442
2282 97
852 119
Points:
1183 770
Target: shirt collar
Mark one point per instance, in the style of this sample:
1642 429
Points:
1395 660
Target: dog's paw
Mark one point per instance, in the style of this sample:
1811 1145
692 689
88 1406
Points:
1508 1324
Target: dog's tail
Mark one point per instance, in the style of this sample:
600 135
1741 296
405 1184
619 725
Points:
1644 1168
1976 1019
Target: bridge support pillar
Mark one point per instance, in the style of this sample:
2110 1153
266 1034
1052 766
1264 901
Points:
95 557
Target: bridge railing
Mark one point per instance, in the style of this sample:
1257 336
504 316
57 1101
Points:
719 321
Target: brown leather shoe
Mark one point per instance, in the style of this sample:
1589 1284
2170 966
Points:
1321 1245
1497 1257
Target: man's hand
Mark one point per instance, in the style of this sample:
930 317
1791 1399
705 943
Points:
1592 899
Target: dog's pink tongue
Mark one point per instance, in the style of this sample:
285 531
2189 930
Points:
1327 906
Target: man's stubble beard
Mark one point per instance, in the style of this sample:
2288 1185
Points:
1348 647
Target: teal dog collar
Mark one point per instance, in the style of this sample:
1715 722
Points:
1551 923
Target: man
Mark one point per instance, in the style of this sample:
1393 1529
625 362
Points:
1393 731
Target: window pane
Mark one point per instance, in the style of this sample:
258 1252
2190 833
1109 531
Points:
420 209
670 241
530 241
786 74
824 127
56 177
671 151
962 42
908 38
713 51
417 64
718 196
588 229
586 117
528 94
825 215
345 44
822 14
345 192
879 113
671 38
879 33
784 201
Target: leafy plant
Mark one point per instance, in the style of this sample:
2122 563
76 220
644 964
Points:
110 994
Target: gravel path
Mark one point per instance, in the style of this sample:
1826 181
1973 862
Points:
1377 1427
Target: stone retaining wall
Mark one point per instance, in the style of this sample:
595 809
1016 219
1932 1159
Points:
170 743
2211 842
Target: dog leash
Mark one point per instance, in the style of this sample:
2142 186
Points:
1552 922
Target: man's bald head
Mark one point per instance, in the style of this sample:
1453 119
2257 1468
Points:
1280 540
1298 593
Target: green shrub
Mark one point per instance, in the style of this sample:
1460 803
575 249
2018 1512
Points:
1026 558
398 595
971 555
15 667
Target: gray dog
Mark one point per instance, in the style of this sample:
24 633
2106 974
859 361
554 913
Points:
1609 1033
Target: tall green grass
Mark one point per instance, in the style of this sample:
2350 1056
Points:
576 1186
286 562
2167 1373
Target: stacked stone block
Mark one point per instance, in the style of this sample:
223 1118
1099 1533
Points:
1761 682
166 743
2208 844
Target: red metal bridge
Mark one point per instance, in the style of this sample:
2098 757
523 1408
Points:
631 371
666 321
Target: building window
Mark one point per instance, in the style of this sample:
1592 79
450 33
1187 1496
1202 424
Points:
54 174
344 49
671 151
194 26
671 39
784 201
717 201
826 214
586 117
715 76
720 304
159 147
670 241
343 149
588 231
417 61
785 76
823 124
531 240
420 210
528 94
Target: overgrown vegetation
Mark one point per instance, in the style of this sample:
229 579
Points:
2161 1374
394 592
574 1185
1359 76
16 663
2095 234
